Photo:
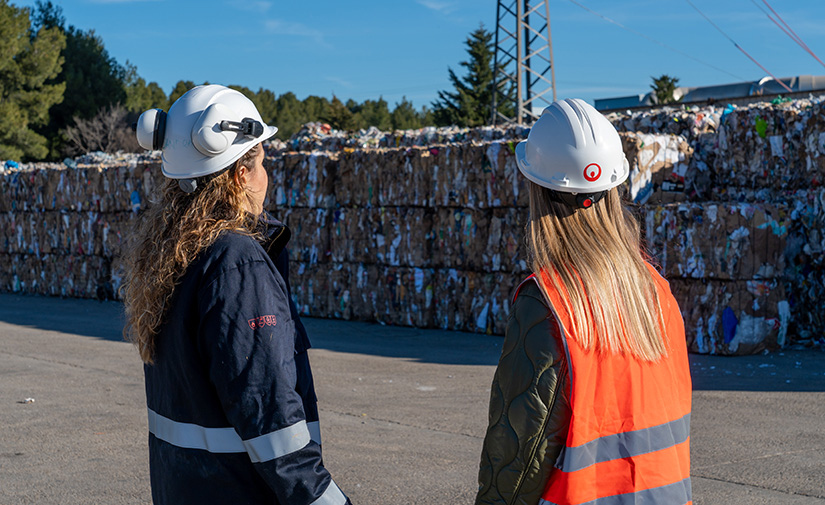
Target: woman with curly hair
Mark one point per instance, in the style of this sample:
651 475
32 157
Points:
231 402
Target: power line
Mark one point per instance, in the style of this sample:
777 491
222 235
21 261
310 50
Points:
787 29
738 46
654 40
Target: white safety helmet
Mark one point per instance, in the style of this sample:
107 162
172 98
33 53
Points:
206 130
573 149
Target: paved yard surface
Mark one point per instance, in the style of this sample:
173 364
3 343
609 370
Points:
403 413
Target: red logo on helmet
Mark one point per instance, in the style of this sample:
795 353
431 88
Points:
592 172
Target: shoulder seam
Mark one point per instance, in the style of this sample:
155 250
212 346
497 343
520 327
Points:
236 266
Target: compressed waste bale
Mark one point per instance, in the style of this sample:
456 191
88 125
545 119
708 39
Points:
51 232
733 317
402 296
276 168
355 235
407 236
310 179
658 165
336 287
309 242
58 275
404 176
460 238
717 240
357 174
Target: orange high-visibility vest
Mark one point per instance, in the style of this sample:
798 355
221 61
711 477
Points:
629 435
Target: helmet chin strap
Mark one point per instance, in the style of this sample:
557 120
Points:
577 200
191 185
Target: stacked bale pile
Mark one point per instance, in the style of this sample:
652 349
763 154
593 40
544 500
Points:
417 236
739 228
62 228
431 235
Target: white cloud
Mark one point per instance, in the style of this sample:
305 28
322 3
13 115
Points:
438 6
280 27
252 6
339 81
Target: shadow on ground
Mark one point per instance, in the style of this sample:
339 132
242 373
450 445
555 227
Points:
424 345
778 371
89 318
788 370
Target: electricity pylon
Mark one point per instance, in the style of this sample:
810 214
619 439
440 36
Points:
523 60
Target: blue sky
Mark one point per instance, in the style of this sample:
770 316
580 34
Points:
368 48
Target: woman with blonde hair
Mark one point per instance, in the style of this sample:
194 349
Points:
231 403
591 400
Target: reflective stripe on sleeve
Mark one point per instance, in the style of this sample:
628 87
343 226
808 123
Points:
314 428
332 496
678 492
623 445
226 440
278 443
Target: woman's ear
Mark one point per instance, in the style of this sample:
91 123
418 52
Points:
241 175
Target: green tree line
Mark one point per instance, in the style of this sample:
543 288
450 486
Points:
60 88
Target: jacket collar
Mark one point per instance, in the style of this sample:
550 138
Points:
275 234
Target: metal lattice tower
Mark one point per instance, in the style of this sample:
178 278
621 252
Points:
523 60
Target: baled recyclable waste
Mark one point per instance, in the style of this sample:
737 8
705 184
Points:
426 227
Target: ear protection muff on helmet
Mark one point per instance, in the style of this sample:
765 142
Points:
151 129
212 133
160 130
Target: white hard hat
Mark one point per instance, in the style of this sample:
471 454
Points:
206 130
572 148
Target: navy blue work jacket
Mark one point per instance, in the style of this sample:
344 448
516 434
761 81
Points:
232 406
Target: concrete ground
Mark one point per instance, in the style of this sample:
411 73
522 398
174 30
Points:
403 413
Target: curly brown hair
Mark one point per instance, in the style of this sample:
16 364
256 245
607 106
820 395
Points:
168 236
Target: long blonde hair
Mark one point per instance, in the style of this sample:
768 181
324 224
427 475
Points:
168 236
598 264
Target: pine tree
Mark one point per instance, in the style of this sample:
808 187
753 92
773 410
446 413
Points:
30 56
338 115
314 108
267 104
471 102
141 96
404 116
664 88
288 115
94 80
181 87
373 113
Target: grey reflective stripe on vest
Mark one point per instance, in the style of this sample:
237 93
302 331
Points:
625 445
314 428
226 440
678 493
332 496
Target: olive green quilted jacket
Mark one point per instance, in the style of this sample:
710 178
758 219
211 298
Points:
529 406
